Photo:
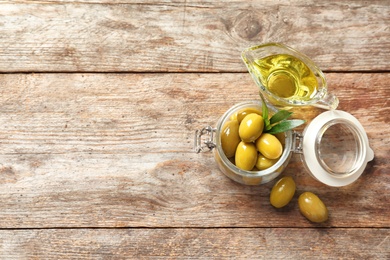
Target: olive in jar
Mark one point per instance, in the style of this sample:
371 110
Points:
246 156
230 138
240 115
269 146
251 127
263 162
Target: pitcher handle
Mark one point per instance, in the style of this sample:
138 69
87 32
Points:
329 101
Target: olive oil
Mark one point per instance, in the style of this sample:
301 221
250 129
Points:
286 76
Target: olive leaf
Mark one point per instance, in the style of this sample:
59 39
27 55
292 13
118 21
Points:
278 122
285 126
280 116
264 107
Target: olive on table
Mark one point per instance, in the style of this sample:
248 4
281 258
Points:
246 156
269 146
312 207
263 162
282 192
251 127
230 138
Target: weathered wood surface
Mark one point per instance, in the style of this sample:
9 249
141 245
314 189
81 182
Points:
188 243
97 150
197 36
100 165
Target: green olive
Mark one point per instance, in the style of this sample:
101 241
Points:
282 192
240 115
251 127
246 156
264 163
230 138
234 116
312 207
269 146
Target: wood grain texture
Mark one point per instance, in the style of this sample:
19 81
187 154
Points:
194 36
241 243
116 150
96 147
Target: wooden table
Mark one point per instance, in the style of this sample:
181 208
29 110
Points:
98 107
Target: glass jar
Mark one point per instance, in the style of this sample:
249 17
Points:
333 147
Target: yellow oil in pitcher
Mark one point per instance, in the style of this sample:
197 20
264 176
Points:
286 76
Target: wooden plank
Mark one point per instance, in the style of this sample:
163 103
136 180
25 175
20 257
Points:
194 36
116 150
242 243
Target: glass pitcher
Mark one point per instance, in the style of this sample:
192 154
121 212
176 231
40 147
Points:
287 77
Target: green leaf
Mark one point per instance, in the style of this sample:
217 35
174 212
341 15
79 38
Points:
278 123
285 126
264 111
280 116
